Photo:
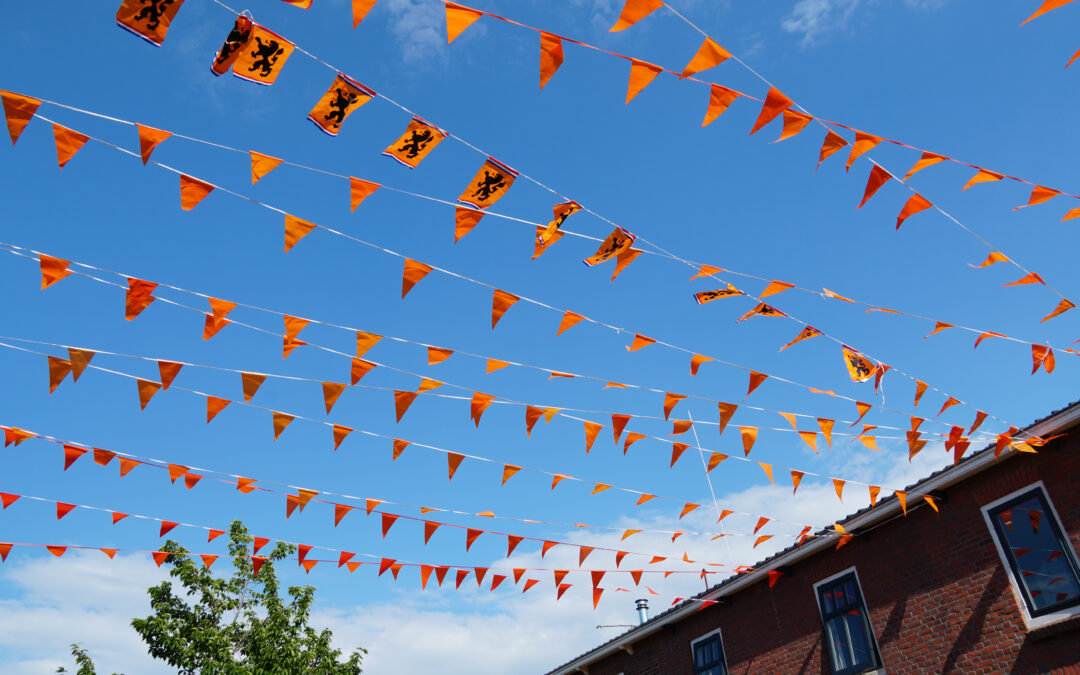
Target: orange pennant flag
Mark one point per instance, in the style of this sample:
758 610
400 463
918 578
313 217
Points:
774 288
863 143
1041 355
948 404
453 461
295 230
149 138
360 9
720 99
761 309
1039 194
458 18
631 438
696 360
464 221
634 11
714 461
532 414
251 383
591 430
359 190
343 97
438 355
810 438
479 404
508 471
263 57
398 448
72 453
826 429
18 110
1029 278
794 123
938 327
236 40
641 74
618 241
623 260
569 320
796 478
749 435
920 389
551 56
1047 6
681 427
52 269
169 371
832 144
416 143
670 401
805 334
414 271
878 177
618 423
727 411
994 257
756 379
58 370
138 297
80 359
639 342
500 302
192 191
281 420
775 103
982 176
402 401
1062 307
261 165
860 368
68 142
915 204
863 408
927 159
490 183
708 55
331 392
359 369
214 405
839 486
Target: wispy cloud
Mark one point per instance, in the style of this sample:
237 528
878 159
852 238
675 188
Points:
815 19
420 28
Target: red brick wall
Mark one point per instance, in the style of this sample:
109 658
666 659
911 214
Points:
939 598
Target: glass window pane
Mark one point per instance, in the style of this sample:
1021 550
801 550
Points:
838 643
860 645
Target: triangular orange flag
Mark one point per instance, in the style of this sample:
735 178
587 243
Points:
775 103
948 404
714 461
399 447
591 430
149 138
532 414
72 453
175 471
839 486
359 190
794 123
458 18
147 389
727 411
281 420
1062 307
138 297
832 144
749 435
551 56
708 55
796 478
920 389
168 370
192 191
826 429
80 359
623 260
295 230
402 401
508 471
500 302
365 341
251 383
360 368
634 11
413 273
720 98
639 342
696 360
1047 6
927 159
479 404
994 257
18 110
915 204
878 177
641 74
1029 278
670 401
631 438
618 423
465 220
438 355
864 143
68 142
569 320
774 288
360 8
58 370
453 461
331 392
340 432
214 405
1039 194
805 334
52 269
756 379
261 165
982 176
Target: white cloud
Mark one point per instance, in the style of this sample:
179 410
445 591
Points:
420 28
814 19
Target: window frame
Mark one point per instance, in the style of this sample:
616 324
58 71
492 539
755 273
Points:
703 638
877 667
1032 618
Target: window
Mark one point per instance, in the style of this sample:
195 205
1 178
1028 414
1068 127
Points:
1041 563
849 641
709 655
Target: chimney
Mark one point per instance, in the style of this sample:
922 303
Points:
642 610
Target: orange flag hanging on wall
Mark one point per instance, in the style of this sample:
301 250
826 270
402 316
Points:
859 367
634 11
148 20
236 40
343 97
458 18
708 55
489 184
262 57
551 56
18 110
419 139
618 241
68 142
641 74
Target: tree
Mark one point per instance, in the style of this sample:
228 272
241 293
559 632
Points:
234 626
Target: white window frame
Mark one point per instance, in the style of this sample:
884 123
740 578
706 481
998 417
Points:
866 607
1018 592
706 636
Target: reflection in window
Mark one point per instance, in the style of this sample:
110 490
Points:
709 656
1032 541
847 628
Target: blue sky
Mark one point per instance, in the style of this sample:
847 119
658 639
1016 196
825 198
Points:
944 75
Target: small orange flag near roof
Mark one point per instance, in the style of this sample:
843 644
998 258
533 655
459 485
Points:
18 110
149 138
261 165
775 103
864 143
634 11
982 176
720 99
458 18
68 142
641 74
708 55
52 269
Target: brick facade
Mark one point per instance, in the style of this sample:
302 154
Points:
938 596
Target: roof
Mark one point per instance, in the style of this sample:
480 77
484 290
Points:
920 486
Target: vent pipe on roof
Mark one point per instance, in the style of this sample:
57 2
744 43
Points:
642 610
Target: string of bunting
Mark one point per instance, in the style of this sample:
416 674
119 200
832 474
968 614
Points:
1047 6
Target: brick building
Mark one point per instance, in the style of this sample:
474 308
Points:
989 584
